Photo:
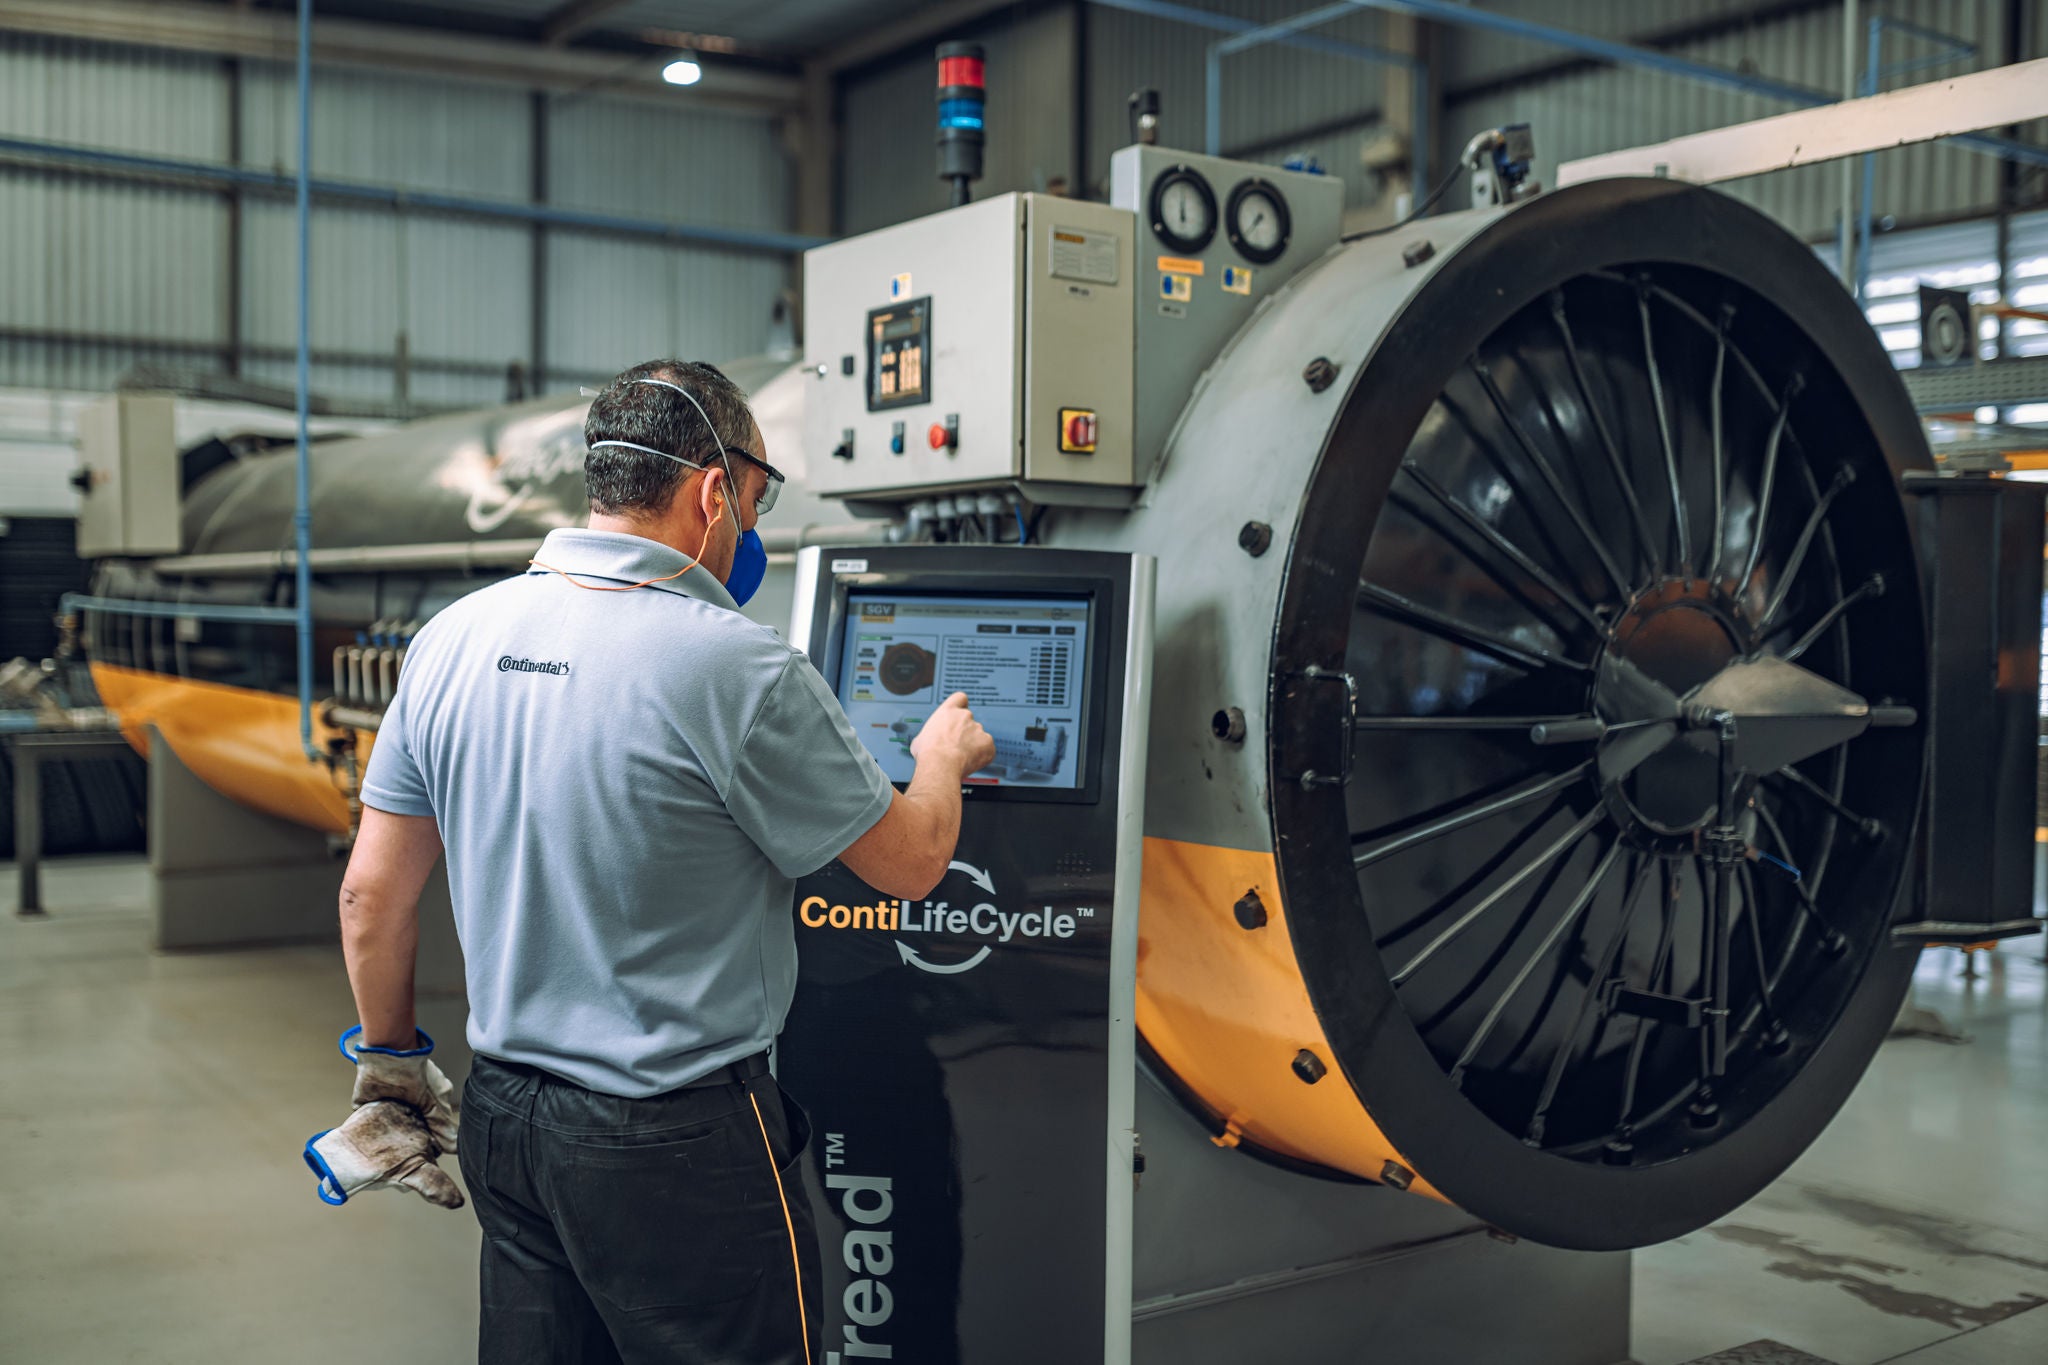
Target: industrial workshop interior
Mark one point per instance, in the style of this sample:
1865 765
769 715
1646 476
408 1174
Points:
977 682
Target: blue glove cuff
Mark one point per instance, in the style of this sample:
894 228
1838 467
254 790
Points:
360 1048
329 1189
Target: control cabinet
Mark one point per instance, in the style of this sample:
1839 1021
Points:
1215 238
129 477
979 348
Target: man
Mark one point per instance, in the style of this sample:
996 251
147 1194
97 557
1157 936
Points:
628 775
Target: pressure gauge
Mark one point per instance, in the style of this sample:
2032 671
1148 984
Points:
1183 210
1257 221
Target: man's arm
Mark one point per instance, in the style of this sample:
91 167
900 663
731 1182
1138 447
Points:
380 927
907 851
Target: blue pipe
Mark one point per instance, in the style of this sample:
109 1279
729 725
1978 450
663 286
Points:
1212 100
1280 28
181 611
1420 141
1280 31
212 173
1623 54
302 510
1872 76
1225 23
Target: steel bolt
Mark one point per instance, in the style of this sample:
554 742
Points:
1309 1067
1416 252
1255 538
1320 374
1251 914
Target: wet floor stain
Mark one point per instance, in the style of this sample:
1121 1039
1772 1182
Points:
1767 1240
1797 1261
1943 1236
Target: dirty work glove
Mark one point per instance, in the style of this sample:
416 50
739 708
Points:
383 1145
384 1073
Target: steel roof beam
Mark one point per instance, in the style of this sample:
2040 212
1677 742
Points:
575 18
268 35
1625 54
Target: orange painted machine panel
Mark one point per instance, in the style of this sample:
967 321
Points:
242 743
1225 1009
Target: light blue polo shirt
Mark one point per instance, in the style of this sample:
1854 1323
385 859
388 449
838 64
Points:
627 784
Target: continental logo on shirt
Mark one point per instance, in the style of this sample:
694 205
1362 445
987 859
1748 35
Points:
508 664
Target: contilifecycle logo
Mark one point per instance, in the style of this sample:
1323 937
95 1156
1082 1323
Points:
984 920
508 664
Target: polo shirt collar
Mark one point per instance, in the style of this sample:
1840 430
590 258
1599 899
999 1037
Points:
614 555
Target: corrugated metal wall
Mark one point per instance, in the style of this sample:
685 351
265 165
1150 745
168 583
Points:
614 303
1270 94
1602 109
107 260
1279 101
101 275
889 121
1477 55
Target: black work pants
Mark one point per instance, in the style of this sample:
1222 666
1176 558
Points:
672 1229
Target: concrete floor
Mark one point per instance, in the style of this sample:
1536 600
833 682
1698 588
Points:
153 1205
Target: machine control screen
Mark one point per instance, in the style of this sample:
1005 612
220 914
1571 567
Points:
899 355
1022 661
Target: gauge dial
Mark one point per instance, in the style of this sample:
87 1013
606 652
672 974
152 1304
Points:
1258 222
1183 210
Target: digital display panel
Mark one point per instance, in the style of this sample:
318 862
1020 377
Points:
899 355
1022 661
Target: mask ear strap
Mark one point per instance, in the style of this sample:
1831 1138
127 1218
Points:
724 458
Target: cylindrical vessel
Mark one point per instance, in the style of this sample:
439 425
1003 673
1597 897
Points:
1487 472
404 522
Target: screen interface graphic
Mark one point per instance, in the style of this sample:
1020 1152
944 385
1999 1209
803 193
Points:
1021 661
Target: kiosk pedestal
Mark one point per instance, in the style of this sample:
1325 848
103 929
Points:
967 1060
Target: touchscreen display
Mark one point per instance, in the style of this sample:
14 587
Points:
1022 662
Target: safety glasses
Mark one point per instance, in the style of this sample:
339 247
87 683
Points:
763 505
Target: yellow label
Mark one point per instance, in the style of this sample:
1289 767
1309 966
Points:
1236 280
1180 288
1179 265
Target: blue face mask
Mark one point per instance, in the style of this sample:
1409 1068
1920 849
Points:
749 567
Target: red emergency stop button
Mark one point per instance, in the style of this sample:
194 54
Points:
944 435
1077 431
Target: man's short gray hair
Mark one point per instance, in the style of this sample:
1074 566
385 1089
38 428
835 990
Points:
621 481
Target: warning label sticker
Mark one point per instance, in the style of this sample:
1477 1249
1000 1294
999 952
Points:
1082 255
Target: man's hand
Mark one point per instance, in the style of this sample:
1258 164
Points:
953 738
384 1145
408 1077
906 852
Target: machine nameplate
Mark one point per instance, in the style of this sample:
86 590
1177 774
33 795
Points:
1086 256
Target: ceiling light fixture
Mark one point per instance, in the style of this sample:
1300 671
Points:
683 70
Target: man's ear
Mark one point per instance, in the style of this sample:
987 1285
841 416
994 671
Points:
711 495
